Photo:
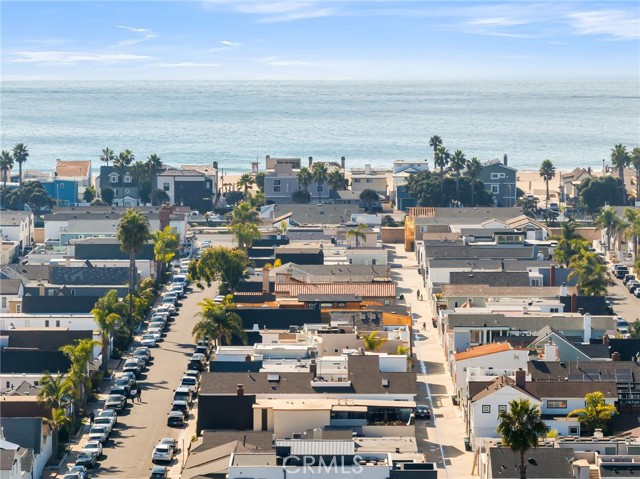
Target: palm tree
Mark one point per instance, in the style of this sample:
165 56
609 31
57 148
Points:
569 244
620 159
547 173
358 233
56 393
305 178
591 272
6 163
107 155
139 172
473 173
154 165
105 313
609 222
458 162
165 247
634 160
369 198
80 355
245 181
435 142
596 413
521 428
218 323
133 234
123 161
372 342
245 233
337 181
320 175
634 329
20 155
631 227
441 160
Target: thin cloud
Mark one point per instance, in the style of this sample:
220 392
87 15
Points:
277 62
497 22
132 29
229 43
617 24
273 12
69 58
185 65
135 41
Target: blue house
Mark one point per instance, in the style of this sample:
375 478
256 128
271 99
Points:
402 170
63 192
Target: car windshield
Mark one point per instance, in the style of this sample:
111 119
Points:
114 397
189 380
162 448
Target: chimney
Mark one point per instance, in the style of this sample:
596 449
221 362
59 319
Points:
367 169
605 339
310 161
574 303
563 290
552 276
550 352
165 216
67 261
215 165
41 289
521 379
505 160
313 368
615 356
587 328
265 280
240 391
343 162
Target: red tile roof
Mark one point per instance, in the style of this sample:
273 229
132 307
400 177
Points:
382 289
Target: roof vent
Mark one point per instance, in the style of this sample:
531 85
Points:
273 378
385 383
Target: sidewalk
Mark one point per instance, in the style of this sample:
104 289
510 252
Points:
446 431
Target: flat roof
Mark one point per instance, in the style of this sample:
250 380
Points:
255 460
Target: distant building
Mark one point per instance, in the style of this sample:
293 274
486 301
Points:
63 191
76 171
402 170
368 178
187 188
500 180
125 188
17 226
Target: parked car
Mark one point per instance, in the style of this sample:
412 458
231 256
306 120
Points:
132 365
628 277
183 394
142 353
86 459
105 421
633 285
182 407
79 472
99 433
621 272
197 362
122 383
109 413
218 299
115 401
94 447
178 289
423 411
162 453
194 373
202 349
171 442
149 340
191 383
175 419
158 472
132 377
180 279
159 325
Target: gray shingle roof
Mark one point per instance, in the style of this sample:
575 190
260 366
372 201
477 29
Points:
89 276
542 463
10 286
454 250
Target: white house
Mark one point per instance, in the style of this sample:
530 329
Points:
10 290
74 322
17 226
372 256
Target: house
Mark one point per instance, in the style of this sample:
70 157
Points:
311 214
569 183
368 256
9 252
190 188
11 292
80 281
383 292
78 171
126 189
212 172
368 178
542 463
76 322
297 273
28 364
63 191
17 226
32 434
500 180
402 170
15 462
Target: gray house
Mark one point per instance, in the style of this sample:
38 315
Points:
500 179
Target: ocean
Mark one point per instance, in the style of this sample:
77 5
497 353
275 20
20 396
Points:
235 123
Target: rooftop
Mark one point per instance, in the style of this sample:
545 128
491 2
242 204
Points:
542 463
483 350
70 168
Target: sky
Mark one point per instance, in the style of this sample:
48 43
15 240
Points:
319 40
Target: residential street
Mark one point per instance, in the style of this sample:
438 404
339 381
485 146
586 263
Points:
624 303
127 454
441 438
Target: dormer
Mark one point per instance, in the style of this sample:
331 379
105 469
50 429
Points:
113 177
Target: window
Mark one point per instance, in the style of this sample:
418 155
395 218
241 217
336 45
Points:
556 404
277 182
573 430
114 178
57 323
536 282
127 179
19 310
554 310
486 409
165 186
277 188
61 186
51 292
497 176
320 188
36 383
369 181
357 180
4 302
126 191
495 189
502 408
374 262
115 192
8 384
46 323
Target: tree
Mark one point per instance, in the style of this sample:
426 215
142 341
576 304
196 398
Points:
301 197
233 197
245 182
159 197
458 162
304 177
220 264
620 159
426 188
165 248
32 194
20 155
337 181
358 233
595 192
547 172
320 175
369 198
591 272
260 181
244 224
569 244
631 227
107 315
435 142
634 329
520 429
89 194
473 173
441 160
133 234
634 160
372 342
6 163
529 205
56 393
139 174
80 355
218 323
596 413
107 156
107 195
154 165
609 222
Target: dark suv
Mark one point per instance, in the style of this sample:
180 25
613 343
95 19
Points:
621 272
